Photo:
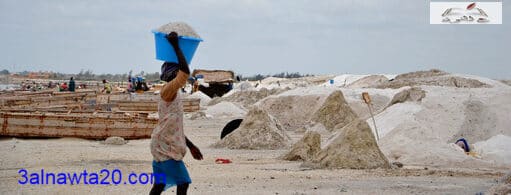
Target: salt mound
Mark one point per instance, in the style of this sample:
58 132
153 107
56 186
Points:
369 81
259 130
198 115
352 147
242 86
421 74
380 99
480 122
495 149
305 148
181 28
442 116
362 80
293 111
204 99
226 109
344 80
245 85
115 140
432 78
334 111
408 94
247 98
507 82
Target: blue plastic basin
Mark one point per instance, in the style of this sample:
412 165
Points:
165 51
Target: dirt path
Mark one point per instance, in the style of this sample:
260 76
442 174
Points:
252 172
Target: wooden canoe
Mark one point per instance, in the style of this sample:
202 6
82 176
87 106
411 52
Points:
92 126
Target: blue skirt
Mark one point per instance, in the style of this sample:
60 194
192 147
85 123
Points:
170 173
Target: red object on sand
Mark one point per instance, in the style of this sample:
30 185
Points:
222 161
471 6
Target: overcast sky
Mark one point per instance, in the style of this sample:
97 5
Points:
250 36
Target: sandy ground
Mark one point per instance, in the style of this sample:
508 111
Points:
252 172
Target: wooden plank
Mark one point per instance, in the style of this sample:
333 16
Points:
84 126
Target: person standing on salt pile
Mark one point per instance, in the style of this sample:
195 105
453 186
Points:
168 141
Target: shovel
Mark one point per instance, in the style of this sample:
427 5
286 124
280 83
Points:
367 100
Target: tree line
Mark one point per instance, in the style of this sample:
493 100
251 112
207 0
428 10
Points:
89 75
288 75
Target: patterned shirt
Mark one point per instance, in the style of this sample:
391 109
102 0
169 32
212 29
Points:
168 139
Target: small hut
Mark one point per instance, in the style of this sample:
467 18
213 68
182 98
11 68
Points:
218 82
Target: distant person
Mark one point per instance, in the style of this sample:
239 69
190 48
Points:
63 87
191 81
130 85
72 84
141 85
168 141
107 87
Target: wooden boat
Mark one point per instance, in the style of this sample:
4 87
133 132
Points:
79 114
83 125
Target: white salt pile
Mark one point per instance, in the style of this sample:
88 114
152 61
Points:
369 81
495 149
115 141
225 109
408 94
181 28
421 132
294 111
347 79
259 130
380 99
247 98
352 147
297 107
432 78
204 99
334 111
306 148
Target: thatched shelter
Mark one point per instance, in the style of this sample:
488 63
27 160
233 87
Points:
219 81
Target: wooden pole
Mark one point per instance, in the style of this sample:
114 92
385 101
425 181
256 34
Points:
367 100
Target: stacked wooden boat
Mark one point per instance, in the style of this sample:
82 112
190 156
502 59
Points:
84 114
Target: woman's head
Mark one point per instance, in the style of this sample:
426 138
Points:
168 71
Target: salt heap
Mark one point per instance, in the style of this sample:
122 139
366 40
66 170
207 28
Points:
225 109
432 78
408 94
306 148
115 140
351 147
259 130
294 111
440 116
369 81
334 111
204 99
181 28
247 98
355 81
